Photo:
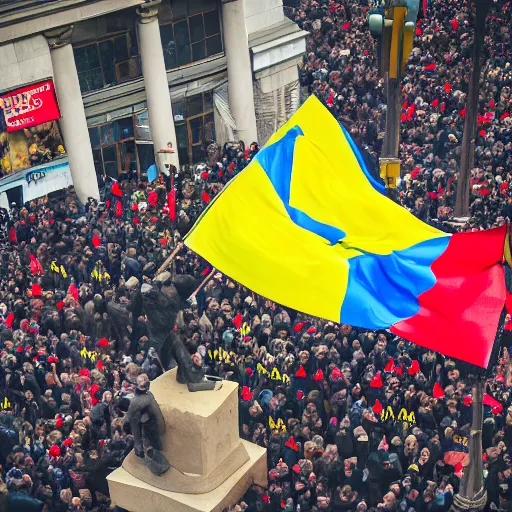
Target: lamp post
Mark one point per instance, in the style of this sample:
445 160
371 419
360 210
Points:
472 495
467 158
393 26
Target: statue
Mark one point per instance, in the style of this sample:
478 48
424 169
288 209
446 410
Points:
161 301
147 425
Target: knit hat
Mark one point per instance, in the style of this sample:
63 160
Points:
413 467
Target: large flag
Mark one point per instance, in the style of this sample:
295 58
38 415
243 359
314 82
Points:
306 226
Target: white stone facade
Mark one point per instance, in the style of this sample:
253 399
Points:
261 48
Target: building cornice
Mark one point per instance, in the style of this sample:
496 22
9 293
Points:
37 18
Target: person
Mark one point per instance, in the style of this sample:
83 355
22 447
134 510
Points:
169 171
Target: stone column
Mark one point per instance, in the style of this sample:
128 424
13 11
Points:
161 120
240 85
73 123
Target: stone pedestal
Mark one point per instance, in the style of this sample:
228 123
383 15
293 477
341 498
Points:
211 467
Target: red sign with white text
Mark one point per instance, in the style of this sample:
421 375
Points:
30 106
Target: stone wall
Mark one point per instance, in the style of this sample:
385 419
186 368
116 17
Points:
23 62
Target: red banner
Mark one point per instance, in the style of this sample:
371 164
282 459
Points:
30 106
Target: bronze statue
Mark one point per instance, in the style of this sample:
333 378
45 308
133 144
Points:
147 425
161 302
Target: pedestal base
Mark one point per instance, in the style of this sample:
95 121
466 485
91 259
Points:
132 494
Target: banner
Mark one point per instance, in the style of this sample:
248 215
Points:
403 415
30 106
273 375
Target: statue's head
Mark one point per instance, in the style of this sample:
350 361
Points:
143 382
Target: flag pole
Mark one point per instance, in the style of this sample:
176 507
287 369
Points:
470 122
170 259
472 495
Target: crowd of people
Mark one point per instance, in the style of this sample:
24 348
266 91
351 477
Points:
352 419
340 67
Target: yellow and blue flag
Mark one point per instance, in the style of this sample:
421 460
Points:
305 225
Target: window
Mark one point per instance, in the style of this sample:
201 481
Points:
122 146
109 61
195 129
190 31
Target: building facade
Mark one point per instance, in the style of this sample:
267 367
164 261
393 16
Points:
132 76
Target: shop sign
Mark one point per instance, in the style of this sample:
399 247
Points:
30 106
34 176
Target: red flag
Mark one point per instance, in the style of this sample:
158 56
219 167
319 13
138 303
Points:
35 265
463 113
237 321
468 297
12 236
414 368
96 241
205 197
9 320
246 394
319 375
493 403
301 373
430 67
447 88
454 24
377 407
116 190
437 392
390 365
504 116
73 291
376 382
36 290
292 444
119 209
171 204
435 103
410 112
298 327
